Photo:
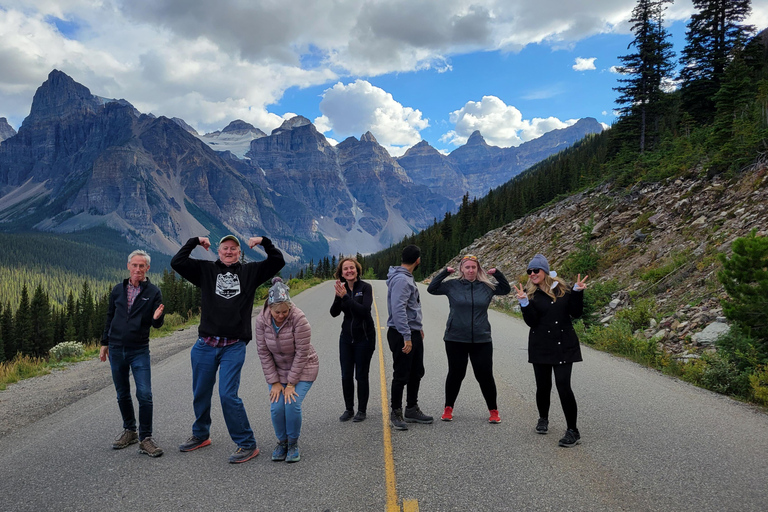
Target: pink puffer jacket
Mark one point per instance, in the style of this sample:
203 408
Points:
287 356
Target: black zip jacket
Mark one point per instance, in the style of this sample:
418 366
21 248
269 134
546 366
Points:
357 325
131 329
227 292
469 301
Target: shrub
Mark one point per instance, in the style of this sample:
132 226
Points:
639 314
745 279
596 297
759 382
723 376
67 349
586 259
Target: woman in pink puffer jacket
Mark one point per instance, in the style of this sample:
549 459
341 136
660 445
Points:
290 366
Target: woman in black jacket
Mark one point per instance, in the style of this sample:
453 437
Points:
468 331
548 304
358 336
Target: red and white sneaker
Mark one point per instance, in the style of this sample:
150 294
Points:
447 414
494 416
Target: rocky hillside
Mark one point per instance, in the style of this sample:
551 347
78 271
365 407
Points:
657 241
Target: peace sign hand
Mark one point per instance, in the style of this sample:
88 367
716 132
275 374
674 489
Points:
581 283
520 292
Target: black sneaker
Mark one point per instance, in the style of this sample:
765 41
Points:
360 416
396 420
348 414
243 455
571 438
193 443
127 438
542 426
414 415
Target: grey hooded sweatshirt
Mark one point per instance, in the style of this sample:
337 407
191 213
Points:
403 302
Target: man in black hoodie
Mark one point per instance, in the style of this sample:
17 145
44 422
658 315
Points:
134 306
227 292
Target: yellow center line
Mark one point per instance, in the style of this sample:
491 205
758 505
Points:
393 504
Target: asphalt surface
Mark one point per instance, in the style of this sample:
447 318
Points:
649 442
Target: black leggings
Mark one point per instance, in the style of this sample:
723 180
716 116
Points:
481 355
543 374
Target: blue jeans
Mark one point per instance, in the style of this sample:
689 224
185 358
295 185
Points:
286 418
206 361
123 361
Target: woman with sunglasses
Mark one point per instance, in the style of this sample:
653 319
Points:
548 305
468 331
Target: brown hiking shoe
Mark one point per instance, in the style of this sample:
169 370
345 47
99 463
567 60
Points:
149 447
128 437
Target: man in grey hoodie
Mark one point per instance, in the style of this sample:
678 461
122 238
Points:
406 339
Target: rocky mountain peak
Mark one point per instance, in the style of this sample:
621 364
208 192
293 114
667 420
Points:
422 148
60 97
6 130
179 121
368 137
476 139
291 123
238 126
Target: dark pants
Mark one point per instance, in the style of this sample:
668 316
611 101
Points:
123 361
481 355
408 368
543 374
355 359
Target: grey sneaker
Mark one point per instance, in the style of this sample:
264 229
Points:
243 455
193 443
571 438
542 426
149 446
414 415
293 454
280 451
127 438
396 420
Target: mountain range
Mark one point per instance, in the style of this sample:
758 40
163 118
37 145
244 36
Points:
81 161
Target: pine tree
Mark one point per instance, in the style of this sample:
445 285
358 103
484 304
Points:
40 320
713 32
2 343
647 69
9 334
23 325
745 278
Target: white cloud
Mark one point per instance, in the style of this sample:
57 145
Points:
583 64
358 107
500 124
209 64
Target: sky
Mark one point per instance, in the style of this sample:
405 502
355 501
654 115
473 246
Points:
405 70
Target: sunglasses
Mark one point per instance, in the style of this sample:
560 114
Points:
533 271
470 257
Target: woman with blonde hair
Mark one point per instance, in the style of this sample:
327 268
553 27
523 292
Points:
290 366
468 331
548 305
357 340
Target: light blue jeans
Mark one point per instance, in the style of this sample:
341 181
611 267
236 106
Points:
286 418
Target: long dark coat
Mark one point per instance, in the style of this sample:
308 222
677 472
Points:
552 339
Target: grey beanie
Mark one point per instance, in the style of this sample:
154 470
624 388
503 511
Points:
539 261
278 292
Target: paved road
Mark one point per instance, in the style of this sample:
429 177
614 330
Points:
649 443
